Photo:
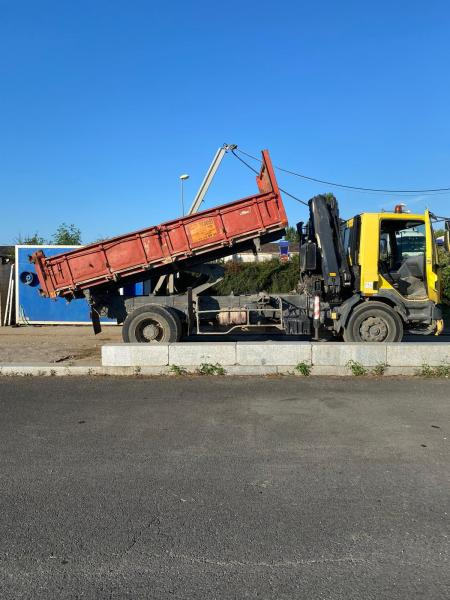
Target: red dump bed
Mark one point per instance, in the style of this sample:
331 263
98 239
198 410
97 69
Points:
219 228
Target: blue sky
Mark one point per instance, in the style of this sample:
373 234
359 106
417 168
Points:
103 104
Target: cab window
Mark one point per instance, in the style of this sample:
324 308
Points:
346 239
411 241
401 239
402 255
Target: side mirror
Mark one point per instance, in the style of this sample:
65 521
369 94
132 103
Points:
447 235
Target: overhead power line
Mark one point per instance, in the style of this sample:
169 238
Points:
257 172
246 163
293 197
346 186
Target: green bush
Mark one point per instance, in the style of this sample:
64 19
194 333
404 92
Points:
443 257
444 262
446 283
248 278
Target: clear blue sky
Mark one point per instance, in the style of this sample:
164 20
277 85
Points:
103 104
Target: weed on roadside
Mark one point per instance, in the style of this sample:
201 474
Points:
303 369
379 369
438 371
356 368
176 370
209 369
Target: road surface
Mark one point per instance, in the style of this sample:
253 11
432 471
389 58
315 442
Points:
224 488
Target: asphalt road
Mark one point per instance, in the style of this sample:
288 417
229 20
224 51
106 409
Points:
224 488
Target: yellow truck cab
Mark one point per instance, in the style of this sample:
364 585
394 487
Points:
396 282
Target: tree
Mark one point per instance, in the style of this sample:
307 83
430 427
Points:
291 234
67 235
329 196
32 240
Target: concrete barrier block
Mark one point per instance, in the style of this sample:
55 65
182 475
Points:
135 371
155 371
332 370
338 354
262 370
403 371
135 355
399 355
273 353
196 353
284 369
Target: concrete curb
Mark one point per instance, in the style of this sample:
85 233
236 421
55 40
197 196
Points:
269 356
252 358
189 370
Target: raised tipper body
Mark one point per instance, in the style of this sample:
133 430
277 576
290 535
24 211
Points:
196 238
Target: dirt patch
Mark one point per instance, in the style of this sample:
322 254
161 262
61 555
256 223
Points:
55 344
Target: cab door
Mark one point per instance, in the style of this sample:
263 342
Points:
402 256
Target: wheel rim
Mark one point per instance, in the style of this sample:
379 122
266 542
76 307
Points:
149 330
374 329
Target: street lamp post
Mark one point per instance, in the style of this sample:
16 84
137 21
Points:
182 180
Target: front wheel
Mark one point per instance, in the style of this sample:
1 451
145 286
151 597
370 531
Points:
373 322
152 324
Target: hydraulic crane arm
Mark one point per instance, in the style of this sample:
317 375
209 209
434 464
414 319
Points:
322 252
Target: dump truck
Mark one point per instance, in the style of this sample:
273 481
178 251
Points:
370 278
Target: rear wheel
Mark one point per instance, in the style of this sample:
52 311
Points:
152 324
374 322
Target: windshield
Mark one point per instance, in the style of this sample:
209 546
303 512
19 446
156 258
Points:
400 240
411 241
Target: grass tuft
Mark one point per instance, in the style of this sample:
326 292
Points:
438 371
356 368
176 370
209 369
379 369
303 369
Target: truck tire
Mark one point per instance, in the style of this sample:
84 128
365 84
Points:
373 322
152 324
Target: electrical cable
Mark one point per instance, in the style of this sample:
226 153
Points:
257 173
246 163
293 197
350 187
438 219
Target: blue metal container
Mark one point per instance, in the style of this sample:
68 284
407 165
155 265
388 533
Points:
31 308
